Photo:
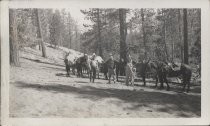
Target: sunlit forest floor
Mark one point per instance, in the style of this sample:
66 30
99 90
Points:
40 88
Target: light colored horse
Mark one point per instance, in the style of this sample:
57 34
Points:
69 61
92 68
99 59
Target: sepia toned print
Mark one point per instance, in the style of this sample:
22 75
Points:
105 62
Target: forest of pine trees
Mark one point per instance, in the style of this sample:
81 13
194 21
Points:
31 27
159 34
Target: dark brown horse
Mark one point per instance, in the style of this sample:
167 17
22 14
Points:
163 70
104 69
142 69
80 65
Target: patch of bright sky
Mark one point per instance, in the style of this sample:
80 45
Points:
79 17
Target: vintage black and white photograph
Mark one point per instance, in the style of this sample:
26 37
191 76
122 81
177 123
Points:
105 62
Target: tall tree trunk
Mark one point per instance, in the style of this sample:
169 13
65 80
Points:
70 39
185 31
164 33
70 36
144 34
123 33
14 45
39 34
171 38
180 35
99 34
69 28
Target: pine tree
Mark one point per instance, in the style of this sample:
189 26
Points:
14 44
123 32
39 34
185 31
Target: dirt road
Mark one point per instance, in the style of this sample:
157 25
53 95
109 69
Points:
43 90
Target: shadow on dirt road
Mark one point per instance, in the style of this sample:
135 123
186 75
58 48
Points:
171 102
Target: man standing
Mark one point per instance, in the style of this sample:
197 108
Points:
129 71
111 68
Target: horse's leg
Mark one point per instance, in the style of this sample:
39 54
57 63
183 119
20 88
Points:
73 70
188 86
68 71
143 78
184 84
132 79
114 76
123 71
161 81
109 77
166 81
81 72
98 72
90 76
88 72
105 74
94 75
77 72
156 78
117 72
114 79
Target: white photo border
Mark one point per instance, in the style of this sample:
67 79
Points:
5 67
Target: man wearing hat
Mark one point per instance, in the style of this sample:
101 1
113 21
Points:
111 68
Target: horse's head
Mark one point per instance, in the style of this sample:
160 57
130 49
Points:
134 63
85 56
168 67
152 64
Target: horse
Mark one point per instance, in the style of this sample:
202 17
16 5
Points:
142 69
184 71
80 65
104 69
159 70
92 67
120 68
100 62
165 70
69 61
